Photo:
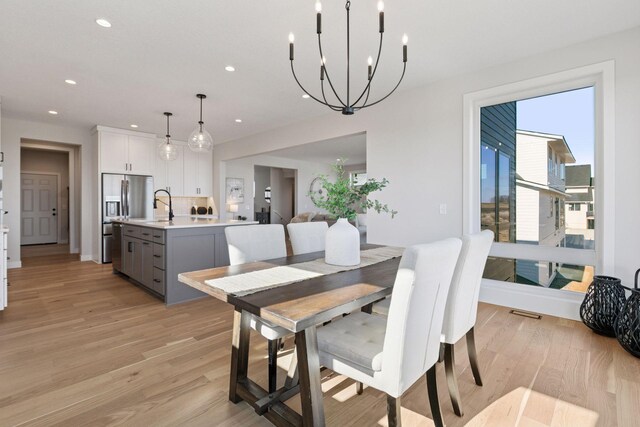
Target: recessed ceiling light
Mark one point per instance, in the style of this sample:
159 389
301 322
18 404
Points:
229 68
71 82
134 126
52 112
103 23
306 96
238 120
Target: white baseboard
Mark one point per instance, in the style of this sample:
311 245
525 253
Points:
87 258
554 302
14 264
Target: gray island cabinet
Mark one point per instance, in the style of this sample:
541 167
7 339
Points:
154 253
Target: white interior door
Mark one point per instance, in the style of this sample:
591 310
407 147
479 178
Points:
39 213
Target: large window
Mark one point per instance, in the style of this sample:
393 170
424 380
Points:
536 169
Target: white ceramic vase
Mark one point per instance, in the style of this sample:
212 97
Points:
342 245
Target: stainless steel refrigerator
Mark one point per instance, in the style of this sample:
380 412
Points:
123 196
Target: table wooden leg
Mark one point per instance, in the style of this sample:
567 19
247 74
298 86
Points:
239 352
309 373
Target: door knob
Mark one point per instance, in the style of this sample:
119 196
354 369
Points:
53 214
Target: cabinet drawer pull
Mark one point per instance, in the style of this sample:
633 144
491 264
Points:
157 256
156 237
145 234
146 243
157 281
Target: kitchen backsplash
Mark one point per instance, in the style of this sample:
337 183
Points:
182 205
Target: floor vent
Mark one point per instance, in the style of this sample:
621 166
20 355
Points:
526 314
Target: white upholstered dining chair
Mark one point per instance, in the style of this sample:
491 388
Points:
462 308
391 353
250 243
307 237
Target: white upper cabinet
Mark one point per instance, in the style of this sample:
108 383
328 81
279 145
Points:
141 154
126 153
205 174
113 152
198 173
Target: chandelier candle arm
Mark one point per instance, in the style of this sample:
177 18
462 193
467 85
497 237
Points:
291 39
405 40
404 68
381 16
326 71
307 92
373 73
318 17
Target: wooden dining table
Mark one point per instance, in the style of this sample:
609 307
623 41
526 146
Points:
298 307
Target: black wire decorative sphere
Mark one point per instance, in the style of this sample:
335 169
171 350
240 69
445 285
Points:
602 304
627 325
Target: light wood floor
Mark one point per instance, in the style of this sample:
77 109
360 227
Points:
80 346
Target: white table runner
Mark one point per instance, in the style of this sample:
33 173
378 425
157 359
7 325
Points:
255 281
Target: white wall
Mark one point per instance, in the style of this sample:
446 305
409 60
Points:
244 168
262 179
415 140
13 130
56 163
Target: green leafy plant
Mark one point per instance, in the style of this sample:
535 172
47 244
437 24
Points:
342 199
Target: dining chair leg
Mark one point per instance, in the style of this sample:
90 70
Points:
239 352
359 387
393 411
441 353
292 374
452 380
273 365
434 403
473 356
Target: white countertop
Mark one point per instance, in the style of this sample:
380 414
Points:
184 222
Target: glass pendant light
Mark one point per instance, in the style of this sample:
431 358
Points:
167 150
200 140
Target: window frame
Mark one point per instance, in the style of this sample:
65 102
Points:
601 77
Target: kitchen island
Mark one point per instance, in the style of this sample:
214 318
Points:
151 253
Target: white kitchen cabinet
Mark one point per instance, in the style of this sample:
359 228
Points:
169 174
126 153
198 173
141 154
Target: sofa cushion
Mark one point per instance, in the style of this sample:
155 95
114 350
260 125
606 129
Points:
303 217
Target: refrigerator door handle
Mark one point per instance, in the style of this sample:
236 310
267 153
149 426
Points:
126 195
122 205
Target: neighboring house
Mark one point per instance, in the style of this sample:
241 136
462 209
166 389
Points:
579 207
540 198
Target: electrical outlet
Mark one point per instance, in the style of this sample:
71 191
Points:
443 209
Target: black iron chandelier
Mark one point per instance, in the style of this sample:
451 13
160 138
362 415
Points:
362 101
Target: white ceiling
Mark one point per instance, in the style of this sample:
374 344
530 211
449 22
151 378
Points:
160 53
350 148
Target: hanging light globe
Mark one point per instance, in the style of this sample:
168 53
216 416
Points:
167 150
200 140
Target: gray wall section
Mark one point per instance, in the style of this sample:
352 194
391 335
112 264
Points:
190 249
